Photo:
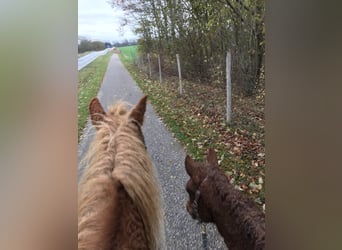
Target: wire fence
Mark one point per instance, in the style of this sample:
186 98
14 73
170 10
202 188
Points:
210 72
152 64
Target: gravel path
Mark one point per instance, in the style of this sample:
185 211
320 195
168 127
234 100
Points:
182 232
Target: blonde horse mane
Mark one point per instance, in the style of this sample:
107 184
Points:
118 155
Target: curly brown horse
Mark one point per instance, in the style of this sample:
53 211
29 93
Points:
119 197
212 198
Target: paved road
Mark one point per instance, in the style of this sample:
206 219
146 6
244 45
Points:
85 60
182 232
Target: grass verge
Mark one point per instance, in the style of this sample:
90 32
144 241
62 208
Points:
197 119
89 81
83 54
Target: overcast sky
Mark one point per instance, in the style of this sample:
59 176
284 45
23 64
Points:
97 20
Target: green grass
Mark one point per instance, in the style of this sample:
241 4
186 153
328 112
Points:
128 54
185 128
89 81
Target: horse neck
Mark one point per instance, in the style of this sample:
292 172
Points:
97 211
237 218
135 170
129 231
97 199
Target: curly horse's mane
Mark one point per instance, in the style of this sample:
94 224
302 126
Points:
118 156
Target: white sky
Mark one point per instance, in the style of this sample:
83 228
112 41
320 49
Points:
97 20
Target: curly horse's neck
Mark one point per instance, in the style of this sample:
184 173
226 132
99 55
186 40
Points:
237 218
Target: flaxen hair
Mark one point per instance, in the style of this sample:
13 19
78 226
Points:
118 156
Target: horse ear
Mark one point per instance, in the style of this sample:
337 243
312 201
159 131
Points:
96 111
138 111
190 165
212 158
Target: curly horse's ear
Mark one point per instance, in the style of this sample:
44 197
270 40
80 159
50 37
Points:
212 158
190 165
96 111
138 111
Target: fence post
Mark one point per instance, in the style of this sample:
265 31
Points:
149 64
160 74
180 76
229 86
142 62
138 62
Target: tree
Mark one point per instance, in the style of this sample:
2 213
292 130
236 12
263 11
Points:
202 32
87 45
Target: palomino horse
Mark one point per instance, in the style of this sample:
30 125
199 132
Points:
119 202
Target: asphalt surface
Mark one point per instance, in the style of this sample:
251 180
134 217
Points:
85 60
182 232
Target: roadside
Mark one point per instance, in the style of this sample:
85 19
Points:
197 120
182 232
83 54
90 57
89 82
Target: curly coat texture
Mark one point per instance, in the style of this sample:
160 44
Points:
237 217
119 204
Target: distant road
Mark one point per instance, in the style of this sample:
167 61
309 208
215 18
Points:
85 60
